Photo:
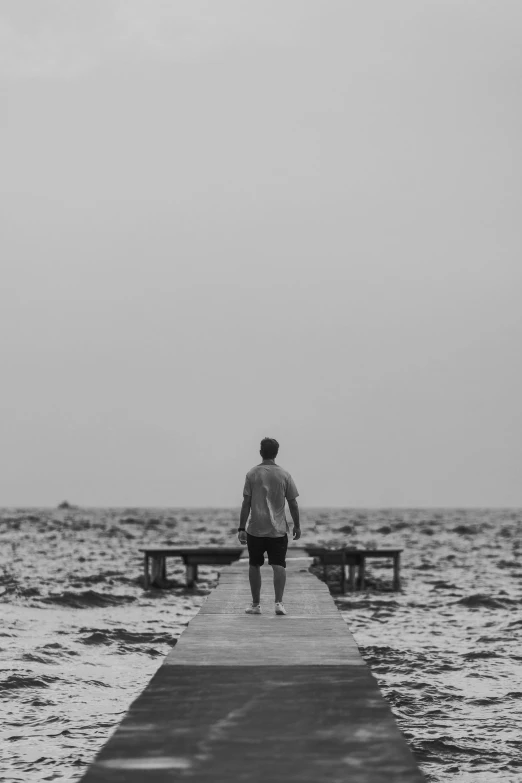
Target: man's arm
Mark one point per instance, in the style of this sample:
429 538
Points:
294 511
243 518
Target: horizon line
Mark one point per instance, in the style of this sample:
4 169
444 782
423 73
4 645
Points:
78 507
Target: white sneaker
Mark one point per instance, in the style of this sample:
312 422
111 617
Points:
279 608
253 609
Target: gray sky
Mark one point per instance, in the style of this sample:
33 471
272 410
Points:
228 219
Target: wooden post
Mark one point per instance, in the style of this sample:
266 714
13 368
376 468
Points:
146 582
158 565
192 574
351 576
396 571
343 574
361 571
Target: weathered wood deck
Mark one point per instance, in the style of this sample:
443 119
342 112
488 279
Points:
260 698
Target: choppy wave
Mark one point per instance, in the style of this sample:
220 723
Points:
122 636
485 601
87 599
19 680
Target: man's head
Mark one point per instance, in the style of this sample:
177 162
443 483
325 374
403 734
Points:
269 448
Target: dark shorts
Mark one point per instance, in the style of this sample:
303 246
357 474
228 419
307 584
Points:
275 548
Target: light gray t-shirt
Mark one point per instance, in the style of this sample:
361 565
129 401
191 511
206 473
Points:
268 486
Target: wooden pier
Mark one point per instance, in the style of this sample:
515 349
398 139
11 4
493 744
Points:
260 698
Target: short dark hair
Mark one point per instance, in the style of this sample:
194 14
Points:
269 448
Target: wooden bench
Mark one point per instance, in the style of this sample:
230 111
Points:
356 557
192 557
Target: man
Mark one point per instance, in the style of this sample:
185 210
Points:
267 485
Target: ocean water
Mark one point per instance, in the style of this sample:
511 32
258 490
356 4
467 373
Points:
80 639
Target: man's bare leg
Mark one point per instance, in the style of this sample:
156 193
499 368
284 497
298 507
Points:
279 582
254 575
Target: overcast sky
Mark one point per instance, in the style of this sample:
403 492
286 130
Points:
228 219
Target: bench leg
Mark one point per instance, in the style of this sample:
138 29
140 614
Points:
192 575
158 569
362 568
396 571
351 576
146 580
